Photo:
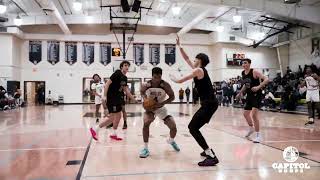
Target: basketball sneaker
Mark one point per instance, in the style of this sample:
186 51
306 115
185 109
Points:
209 161
115 137
174 145
94 134
144 153
249 132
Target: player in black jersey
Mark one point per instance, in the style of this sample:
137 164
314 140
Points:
252 87
209 103
113 96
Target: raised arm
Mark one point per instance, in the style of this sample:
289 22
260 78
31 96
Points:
184 54
198 72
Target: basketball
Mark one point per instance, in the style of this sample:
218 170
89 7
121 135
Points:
148 103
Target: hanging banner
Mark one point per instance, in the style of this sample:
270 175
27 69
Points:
138 54
88 53
154 54
53 52
170 54
35 52
105 53
71 52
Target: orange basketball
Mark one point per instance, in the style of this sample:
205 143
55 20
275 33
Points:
148 103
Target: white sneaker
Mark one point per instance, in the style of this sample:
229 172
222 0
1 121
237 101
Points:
256 139
249 132
6 107
311 121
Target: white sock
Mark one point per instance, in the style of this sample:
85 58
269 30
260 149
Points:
96 128
251 128
170 140
209 152
146 145
114 132
257 134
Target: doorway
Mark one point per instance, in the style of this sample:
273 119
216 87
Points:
34 92
134 85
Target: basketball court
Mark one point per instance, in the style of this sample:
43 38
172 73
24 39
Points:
52 143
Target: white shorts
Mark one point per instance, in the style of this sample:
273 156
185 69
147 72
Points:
97 100
312 96
161 113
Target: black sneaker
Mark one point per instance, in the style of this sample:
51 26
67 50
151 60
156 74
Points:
209 161
309 122
97 120
124 126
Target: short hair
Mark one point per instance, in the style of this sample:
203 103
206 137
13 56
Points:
96 75
203 58
157 71
123 63
248 60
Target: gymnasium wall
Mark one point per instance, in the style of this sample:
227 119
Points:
9 58
299 53
300 50
63 79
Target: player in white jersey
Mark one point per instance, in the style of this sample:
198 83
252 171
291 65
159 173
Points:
158 90
312 97
98 89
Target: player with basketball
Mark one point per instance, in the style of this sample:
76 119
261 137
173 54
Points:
154 93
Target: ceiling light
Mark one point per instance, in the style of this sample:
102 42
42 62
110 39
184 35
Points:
176 10
3 8
236 18
77 6
220 28
159 21
18 21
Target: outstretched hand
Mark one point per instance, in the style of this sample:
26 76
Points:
173 78
238 96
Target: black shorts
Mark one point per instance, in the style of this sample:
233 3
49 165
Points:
205 113
253 101
113 108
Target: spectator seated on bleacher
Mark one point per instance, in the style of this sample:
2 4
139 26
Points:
4 101
269 100
18 99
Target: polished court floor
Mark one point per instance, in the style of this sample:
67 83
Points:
53 143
